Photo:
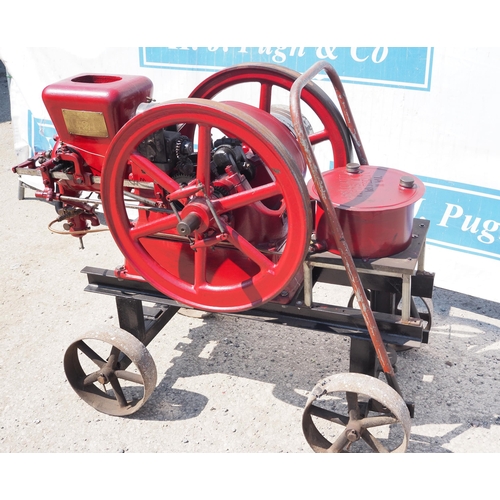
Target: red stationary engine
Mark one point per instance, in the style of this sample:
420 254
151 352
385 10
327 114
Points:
207 200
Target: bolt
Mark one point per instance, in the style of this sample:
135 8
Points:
352 435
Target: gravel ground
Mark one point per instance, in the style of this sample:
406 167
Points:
224 384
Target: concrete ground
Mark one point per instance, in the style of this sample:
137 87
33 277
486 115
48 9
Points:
224 384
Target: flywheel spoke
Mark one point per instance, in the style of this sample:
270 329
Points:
151 170
154 227
318 137
265 98
245 247
238 200
200 267
204 157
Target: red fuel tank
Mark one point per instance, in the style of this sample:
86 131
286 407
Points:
375 207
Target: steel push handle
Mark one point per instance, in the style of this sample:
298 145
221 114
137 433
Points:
334 224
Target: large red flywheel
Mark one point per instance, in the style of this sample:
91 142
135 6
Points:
271 77
219 241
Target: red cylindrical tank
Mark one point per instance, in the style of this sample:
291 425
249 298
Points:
375 207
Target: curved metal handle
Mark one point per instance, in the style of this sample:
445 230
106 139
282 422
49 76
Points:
304 79
333 222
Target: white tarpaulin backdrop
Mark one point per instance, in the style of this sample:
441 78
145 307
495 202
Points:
432 112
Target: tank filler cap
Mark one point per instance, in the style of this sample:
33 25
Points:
407 181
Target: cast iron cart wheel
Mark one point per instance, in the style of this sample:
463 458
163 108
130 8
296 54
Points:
352 409
112 371
269 76
191 270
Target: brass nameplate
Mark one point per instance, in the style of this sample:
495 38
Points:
86 123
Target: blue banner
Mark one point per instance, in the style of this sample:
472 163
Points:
41 134
463 217
401 67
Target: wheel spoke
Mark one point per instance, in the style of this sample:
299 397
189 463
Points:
238 200
91 354
90 379
129 376
378 421
151 170
339 444
352 403
249 250
373 442
266 90
200 267
329 415
204 156
117 389
317 137
113 357
154 227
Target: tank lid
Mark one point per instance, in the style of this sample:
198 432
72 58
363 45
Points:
370 188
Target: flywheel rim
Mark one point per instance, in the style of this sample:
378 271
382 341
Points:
266 284
268 74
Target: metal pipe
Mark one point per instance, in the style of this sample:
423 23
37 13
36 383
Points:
334 224
127 205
